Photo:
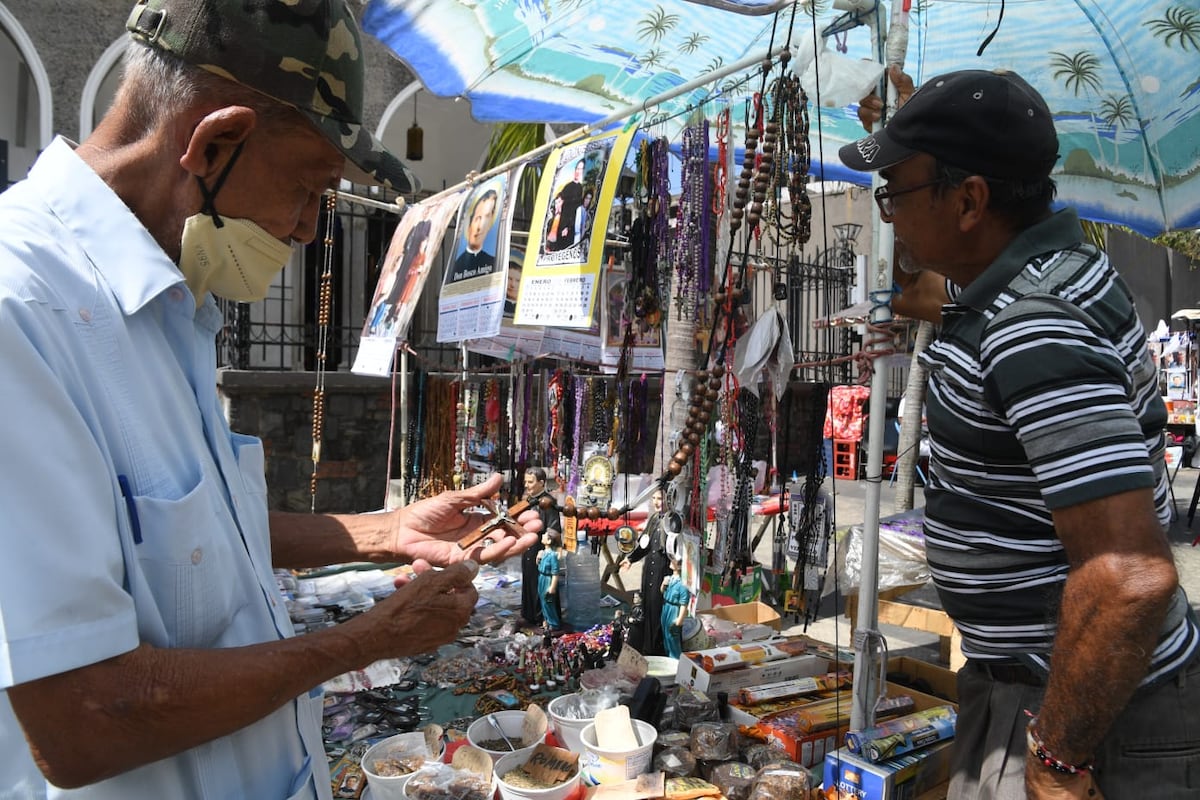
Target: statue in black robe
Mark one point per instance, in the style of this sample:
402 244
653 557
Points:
652 549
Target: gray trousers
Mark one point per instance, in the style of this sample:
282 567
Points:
1152 750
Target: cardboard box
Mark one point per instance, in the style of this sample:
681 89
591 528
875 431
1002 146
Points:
809 749
715 592
940 681
930 620
692 675
902 778
755 613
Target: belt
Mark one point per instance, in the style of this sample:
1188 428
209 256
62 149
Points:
1009 673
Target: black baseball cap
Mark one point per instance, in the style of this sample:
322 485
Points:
989 122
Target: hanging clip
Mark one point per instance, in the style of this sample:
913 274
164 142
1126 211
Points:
850 20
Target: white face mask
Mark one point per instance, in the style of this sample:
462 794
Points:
236 260
232 258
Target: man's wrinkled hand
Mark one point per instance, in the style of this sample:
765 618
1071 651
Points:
427 532
423 614
870 108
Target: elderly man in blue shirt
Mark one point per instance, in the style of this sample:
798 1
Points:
145 650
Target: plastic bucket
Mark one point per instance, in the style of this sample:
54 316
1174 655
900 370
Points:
508 792
390 787
566 729
664 668
614 766
511 723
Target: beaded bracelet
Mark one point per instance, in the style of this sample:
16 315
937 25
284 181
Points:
1038 748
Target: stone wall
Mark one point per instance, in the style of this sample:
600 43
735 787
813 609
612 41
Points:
278 408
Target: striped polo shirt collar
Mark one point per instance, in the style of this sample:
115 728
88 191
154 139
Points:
1059 231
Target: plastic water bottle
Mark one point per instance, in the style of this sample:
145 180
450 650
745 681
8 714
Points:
582 587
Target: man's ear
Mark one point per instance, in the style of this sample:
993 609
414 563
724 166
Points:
214 138
973 197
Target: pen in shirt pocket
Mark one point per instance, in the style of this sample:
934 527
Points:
130 506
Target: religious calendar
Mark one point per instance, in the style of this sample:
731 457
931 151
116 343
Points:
471 314
557 300
561 271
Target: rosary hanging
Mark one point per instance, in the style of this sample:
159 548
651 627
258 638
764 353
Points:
324 312
690 255
790 168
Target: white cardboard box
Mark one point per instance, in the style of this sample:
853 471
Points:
692 675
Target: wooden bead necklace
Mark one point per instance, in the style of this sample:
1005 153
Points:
706 388
324 306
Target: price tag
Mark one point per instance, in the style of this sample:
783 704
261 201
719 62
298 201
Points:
534 725
471 758
551 765
632 663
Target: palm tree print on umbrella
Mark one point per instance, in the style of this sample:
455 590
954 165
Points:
692 43
1178 23
1117 113
657 24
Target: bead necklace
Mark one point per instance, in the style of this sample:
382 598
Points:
439 446
720 174
554 432
604 400
739 558
525 390
324 306
416 427
637 422
662 217
791 168
812 541
706 389
690 251
463 430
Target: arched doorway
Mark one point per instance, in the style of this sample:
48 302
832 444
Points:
101 87
26 104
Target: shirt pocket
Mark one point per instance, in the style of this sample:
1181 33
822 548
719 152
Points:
252 462
187 557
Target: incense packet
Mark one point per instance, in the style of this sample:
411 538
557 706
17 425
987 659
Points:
743 655
903 734
794 688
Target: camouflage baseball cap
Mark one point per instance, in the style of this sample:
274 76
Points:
304 53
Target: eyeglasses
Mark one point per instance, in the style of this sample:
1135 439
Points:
884 196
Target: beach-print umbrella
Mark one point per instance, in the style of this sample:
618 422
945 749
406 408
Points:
1121 78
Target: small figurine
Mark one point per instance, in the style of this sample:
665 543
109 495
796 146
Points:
651 551
547 565
675 597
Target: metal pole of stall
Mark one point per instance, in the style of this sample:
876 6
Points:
403 426
868 641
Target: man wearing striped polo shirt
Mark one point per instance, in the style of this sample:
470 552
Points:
1048 493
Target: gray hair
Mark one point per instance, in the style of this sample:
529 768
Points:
155 83
1021 202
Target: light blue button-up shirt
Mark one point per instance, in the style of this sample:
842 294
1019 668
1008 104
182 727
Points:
129 512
